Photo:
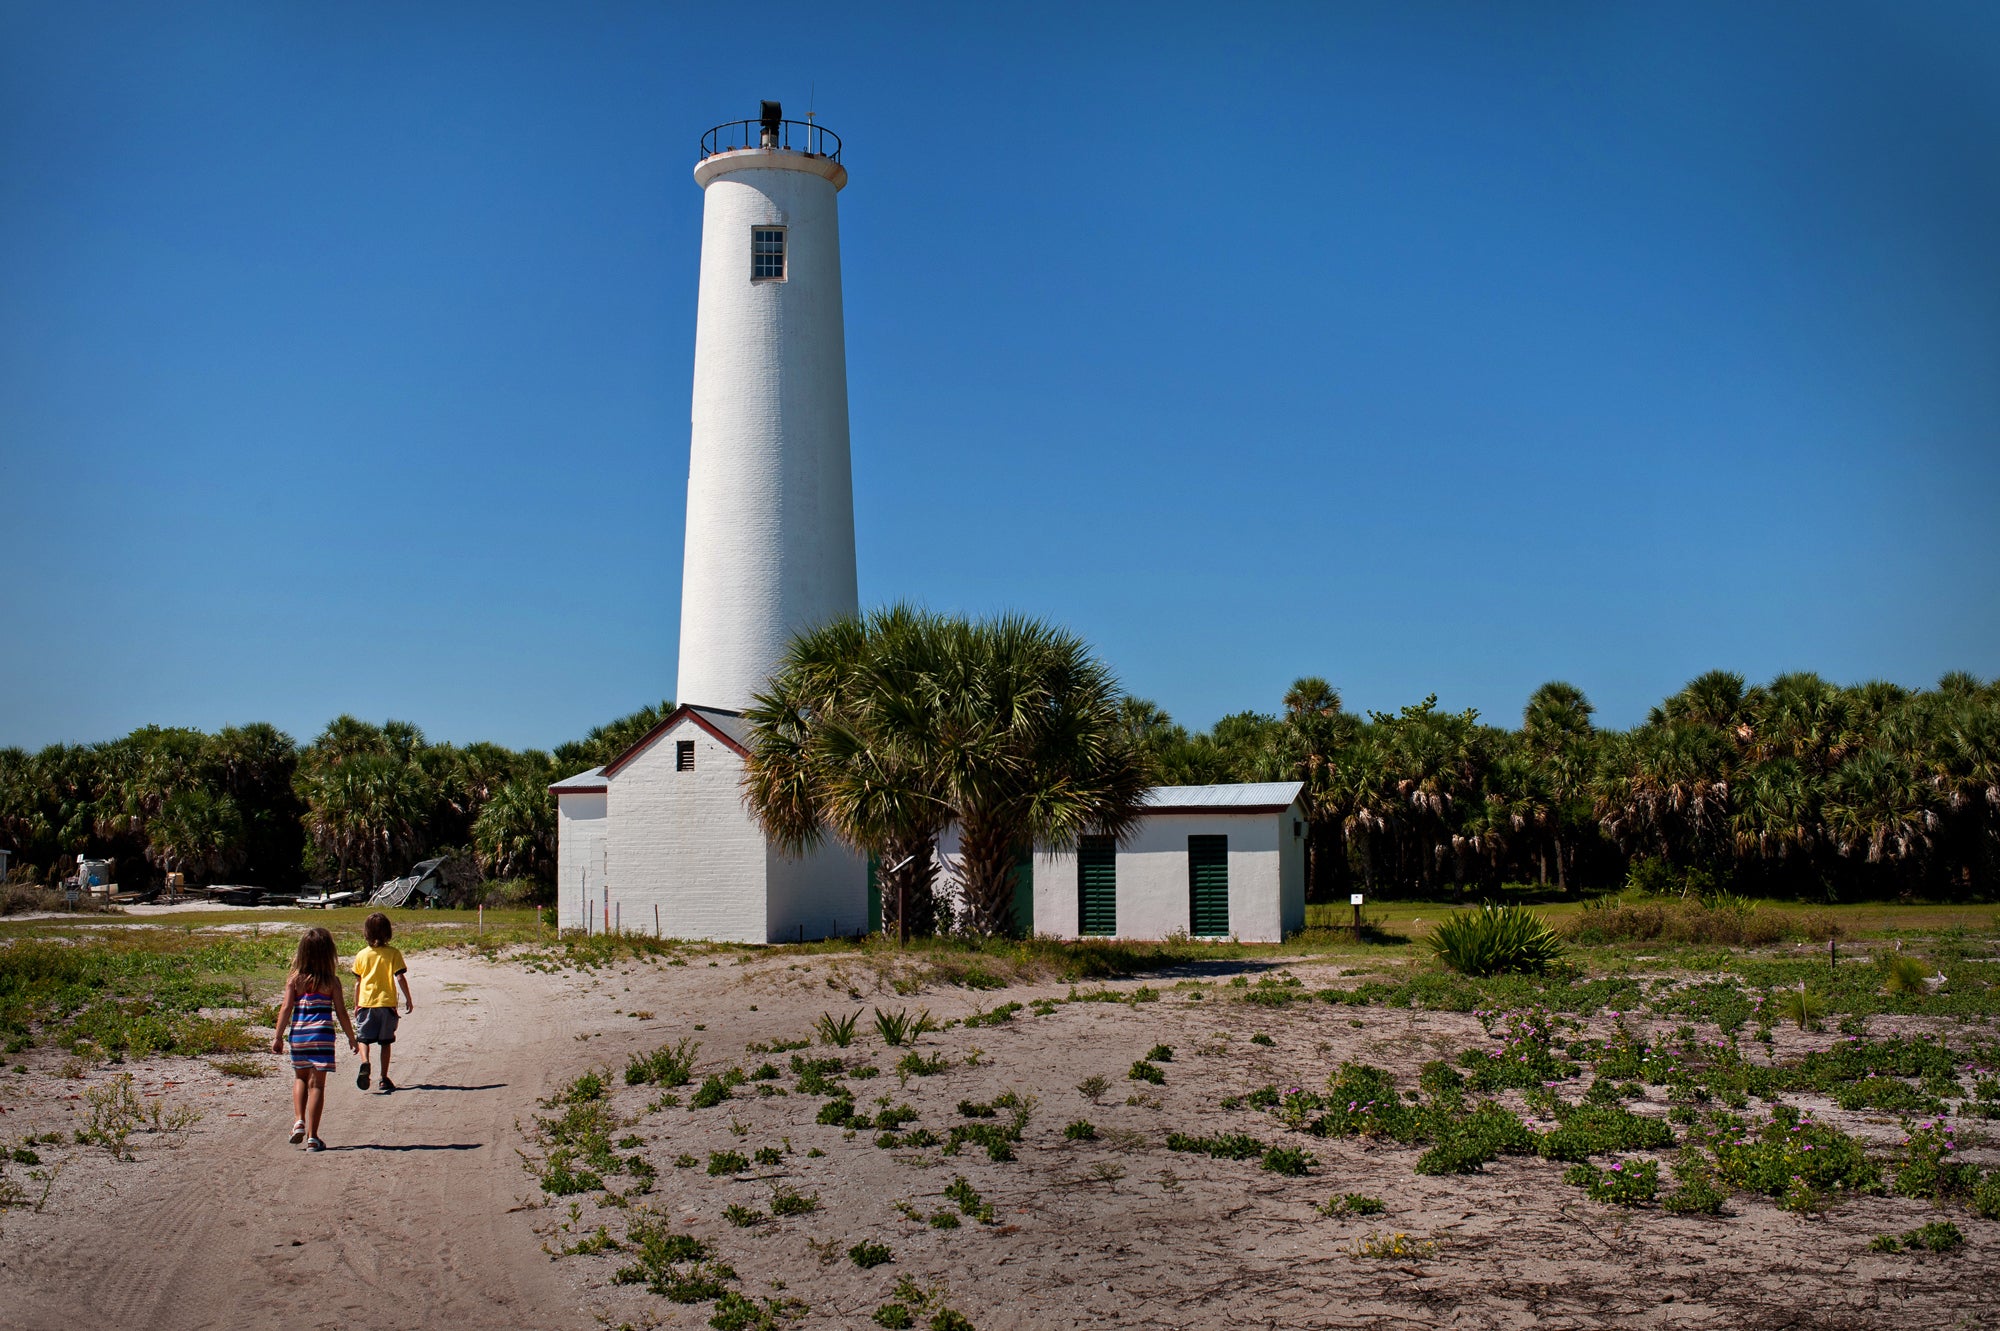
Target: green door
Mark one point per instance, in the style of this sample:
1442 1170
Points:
1208 886
1097 887
1024 895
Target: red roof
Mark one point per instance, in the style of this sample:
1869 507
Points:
685 712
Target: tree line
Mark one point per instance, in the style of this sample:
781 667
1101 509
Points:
1798 787
248 804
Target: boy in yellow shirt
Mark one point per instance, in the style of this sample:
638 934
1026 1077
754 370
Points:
378 969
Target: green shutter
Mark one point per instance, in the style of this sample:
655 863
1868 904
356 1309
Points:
1208 886
1097 887
1024 895
874 894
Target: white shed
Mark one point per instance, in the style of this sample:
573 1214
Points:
1204 861
673 843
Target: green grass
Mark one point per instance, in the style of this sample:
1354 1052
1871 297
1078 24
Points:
88 985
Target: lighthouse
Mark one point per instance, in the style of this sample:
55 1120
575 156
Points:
659 838
770 504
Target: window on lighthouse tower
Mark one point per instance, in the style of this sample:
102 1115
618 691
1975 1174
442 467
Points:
767 254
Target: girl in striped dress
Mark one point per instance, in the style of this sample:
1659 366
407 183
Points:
313 998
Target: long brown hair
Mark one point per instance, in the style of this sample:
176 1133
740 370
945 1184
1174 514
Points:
315 960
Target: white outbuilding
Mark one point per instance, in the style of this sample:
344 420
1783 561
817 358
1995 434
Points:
1203 861
659 839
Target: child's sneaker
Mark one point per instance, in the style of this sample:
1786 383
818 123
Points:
315 1144
361 1076
298 1132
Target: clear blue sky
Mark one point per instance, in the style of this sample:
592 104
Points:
345 350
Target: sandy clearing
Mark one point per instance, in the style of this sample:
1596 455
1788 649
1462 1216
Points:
412 1216
405 1219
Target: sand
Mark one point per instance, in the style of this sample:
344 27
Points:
423 1215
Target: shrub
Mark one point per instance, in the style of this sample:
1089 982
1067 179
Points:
961 1191
735 1312
1287 1160
1798 1167
1697 1193
1352 1203
1594 1129
1627 1183
714 1090
1080 1130
914 1064
895 1316
1986 1196
1161 1053
1147 1072
1720 921
1802 1007
868 1254
1937 1236
742 1216
1903 975
1495 940
726 1162
678 1267
669 1065
1092 1088
790 1201
1226 1146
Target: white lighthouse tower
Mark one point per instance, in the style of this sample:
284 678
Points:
770 509
659 838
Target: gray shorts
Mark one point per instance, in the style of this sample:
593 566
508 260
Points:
375 1025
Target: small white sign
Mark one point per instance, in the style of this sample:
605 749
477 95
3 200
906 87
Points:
1354 900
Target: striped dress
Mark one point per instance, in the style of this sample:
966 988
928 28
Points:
312 1032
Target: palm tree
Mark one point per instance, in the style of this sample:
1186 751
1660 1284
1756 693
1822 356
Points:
846 743
195 831
1315 730
1878 808
1665 788
1557 728
1039 757
881 732
516 831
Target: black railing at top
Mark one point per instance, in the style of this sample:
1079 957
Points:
800 136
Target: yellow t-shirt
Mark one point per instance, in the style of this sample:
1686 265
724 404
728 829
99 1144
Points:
378 968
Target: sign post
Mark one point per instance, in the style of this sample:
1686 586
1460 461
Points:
1354 899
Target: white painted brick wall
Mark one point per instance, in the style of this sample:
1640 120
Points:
682 841
770 500
580 854
818 895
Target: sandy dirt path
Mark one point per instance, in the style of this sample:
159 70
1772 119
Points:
404 1221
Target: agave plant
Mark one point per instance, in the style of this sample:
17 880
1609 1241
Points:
837 1030
1495 939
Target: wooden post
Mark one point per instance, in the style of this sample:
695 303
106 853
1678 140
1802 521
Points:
656 919
1832 957
607 908
620 908
482 917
